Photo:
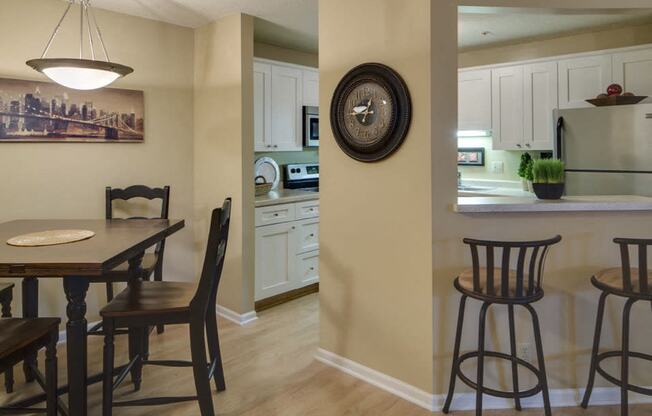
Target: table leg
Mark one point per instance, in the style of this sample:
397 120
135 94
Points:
137 337
30 310
76 288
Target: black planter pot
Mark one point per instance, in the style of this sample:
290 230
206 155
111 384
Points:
548 190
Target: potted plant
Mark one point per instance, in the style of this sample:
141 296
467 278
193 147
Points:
523 167
529 176
548 182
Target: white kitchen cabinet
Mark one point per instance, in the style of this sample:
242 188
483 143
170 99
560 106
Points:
583 78
262 106
286 108
474 100
275 259
633 70
540 91
287 248
507 107
311 87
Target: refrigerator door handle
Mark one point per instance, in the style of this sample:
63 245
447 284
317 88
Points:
560 137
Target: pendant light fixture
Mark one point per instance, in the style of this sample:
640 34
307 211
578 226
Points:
80 74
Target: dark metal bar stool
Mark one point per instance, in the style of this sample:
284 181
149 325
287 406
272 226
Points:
502 285
6 296
631 283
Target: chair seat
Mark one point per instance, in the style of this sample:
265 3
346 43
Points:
148 264
150 298
465 280
613 279
19 333
6 286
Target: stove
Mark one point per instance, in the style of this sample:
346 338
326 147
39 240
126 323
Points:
304 176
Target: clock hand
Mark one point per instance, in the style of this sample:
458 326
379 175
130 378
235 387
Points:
361 112
359 109
367 111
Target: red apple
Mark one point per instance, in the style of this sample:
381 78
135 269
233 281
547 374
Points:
614 89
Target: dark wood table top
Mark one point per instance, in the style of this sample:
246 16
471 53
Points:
115 242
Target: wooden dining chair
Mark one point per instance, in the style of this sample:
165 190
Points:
152 263
21 337
6 296
143 304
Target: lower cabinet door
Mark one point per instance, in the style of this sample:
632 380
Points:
308 268
275 260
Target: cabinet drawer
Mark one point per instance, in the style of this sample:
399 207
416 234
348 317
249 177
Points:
275 214
307 268
308 209
307 235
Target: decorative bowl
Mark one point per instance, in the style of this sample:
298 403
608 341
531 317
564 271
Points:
548 190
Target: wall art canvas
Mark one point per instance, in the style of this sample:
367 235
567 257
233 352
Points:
34 111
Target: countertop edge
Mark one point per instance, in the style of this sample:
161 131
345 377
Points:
286 200
503 205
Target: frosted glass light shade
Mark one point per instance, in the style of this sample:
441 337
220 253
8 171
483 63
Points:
80 74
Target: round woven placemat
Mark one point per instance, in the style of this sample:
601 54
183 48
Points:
50 238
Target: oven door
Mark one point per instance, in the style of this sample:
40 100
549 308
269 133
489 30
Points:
311 131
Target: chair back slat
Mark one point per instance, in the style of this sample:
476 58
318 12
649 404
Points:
641 273
532 271
520 270
642 268
491 289
204 300
504 272
512 283
476 268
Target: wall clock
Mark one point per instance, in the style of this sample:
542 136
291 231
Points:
371 112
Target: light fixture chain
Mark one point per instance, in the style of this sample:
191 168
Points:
56 29
90 32
81 29
99 33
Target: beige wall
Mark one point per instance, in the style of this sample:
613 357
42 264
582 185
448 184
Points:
375 242
585 42
224 147
67 180
277 53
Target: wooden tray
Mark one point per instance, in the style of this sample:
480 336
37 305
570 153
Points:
617 100
50 238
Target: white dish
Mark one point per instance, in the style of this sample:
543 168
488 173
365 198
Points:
268 168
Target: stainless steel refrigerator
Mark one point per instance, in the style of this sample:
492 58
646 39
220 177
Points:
607 150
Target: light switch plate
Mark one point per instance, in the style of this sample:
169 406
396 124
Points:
497 167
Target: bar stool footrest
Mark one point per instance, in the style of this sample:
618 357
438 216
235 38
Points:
498 393
616 381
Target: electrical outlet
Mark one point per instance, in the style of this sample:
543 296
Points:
524 351
497 167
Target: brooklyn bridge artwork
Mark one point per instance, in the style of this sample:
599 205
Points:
33 111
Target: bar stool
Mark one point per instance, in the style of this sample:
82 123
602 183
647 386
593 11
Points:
632 284
505 286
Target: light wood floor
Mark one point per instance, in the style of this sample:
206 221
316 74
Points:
270 371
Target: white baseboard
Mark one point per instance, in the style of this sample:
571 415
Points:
601 396
240 319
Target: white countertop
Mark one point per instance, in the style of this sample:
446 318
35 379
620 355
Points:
493 204
285 196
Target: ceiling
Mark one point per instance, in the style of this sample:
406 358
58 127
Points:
507 25
287 23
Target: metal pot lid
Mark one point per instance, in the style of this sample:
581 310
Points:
268 168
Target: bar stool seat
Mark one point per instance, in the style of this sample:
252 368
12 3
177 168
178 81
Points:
465 280
612 279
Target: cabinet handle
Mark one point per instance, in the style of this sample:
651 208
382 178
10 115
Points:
275 146
311 235
527 144
518 145
276 214
312 268
294 228
268 145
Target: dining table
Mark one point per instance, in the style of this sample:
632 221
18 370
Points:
77 263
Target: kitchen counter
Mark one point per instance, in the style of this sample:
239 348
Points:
285 196
498 204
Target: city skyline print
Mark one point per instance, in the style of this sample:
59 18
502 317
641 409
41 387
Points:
35 111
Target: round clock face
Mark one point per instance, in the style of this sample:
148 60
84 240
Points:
370 112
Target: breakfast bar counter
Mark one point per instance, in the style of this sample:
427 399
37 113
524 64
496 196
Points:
500 204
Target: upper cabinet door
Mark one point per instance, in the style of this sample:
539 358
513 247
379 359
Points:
633 70
474 100
311 87
507 107
262 107
541 99
583 78
286 108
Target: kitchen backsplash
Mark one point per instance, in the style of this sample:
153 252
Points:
510 160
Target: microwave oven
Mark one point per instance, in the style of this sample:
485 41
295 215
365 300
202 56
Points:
311 126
